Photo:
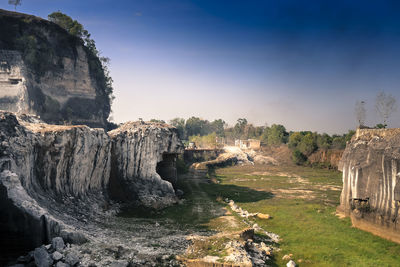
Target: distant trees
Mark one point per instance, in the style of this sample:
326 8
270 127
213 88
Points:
275 135
385 105
15 3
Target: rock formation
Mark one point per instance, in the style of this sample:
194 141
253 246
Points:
371 185
139 150
46 71
53 177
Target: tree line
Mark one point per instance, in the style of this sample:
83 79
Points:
302 143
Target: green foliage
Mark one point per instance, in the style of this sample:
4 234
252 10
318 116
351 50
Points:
380 126
275 135
71 26
157 121
308 144
298 157
205 141
179 123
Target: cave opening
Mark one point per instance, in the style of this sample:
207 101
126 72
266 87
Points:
167 168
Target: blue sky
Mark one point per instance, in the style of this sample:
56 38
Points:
303 64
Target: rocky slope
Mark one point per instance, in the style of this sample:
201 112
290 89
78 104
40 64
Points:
46 71
55 180
371 186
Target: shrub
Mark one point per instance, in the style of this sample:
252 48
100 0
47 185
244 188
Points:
298 157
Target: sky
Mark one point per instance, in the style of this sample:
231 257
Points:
303 64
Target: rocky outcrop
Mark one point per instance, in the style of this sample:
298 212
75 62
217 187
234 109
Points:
55 179
48 72
48 170
371 181
139 150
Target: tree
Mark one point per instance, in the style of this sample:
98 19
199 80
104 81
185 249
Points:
239 128
218 126
15 3
179 123
385 105
277 135
308 144
360 113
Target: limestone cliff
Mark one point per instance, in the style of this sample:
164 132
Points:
371 185
139 150
46 71
48 175
55 179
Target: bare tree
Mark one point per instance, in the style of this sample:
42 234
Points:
360 113
15 3
385 106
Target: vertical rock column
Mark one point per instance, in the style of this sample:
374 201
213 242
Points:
371 185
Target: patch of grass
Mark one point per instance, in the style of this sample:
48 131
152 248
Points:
308 226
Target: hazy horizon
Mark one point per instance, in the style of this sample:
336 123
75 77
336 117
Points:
300 65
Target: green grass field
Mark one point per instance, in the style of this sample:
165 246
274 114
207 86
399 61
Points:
302 202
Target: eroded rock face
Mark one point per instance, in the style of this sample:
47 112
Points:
55 180
48 72
137 149
47 170
371 181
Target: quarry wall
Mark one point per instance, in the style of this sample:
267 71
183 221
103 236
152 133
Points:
371 181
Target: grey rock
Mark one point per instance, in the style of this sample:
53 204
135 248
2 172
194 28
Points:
62 264
57 256
17 265
42 258
72 258
119 264
58 243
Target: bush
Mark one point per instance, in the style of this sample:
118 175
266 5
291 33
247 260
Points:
298 157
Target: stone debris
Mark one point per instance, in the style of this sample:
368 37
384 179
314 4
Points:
291 263
247 215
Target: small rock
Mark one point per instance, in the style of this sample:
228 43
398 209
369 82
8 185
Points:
291 264
42 258
119 264
62 264
263 216
57 256
58 243
48 246
286 257
72 259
